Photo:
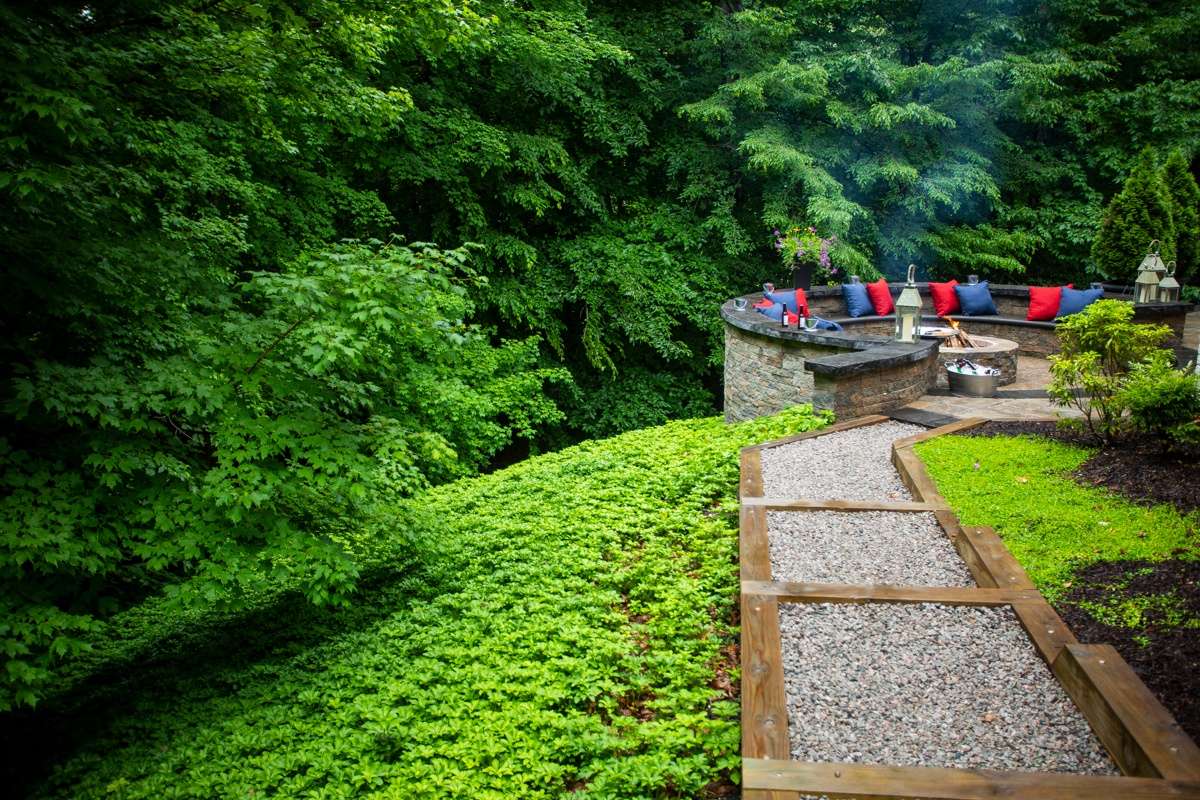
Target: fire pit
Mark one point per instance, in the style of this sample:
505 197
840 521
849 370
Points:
986 351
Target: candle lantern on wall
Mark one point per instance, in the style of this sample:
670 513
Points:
1149 275
908 309
1168 287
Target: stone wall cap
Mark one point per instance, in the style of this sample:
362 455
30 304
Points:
872 359
750 320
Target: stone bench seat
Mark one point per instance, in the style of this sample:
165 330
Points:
930 320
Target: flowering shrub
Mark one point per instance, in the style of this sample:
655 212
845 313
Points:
806 246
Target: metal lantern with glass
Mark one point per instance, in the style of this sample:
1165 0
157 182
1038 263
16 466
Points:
908 309
1168 287
1146 285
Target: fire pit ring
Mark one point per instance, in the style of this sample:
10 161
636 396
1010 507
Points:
990 351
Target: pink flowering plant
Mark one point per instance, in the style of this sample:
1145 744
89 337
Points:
805 245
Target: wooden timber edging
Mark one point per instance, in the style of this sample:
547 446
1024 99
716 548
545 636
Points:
1157 758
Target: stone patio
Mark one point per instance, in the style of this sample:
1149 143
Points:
1023 399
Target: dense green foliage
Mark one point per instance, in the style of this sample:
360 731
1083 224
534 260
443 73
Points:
237 449
1163 400
1023 488
213 370
1140 214
561 628
1185 213
1100 350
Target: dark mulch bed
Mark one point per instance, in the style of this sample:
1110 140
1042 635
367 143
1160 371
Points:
1140 470
1169 663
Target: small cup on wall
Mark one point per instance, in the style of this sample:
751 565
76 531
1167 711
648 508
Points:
740 303
972 280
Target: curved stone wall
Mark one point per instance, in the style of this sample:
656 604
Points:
769 368
861 370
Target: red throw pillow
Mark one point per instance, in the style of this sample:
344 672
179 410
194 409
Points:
1043 302
802 301
945 299
881 297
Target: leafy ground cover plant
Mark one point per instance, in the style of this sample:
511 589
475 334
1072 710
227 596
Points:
1119 572
1022 487
560 628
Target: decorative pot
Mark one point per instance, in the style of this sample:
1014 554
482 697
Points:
802 273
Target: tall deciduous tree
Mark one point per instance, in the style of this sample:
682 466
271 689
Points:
204 397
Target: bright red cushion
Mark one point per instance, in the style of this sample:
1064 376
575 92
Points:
945 300
802 301
881 297
1043 302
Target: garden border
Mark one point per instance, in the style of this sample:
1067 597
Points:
1157 759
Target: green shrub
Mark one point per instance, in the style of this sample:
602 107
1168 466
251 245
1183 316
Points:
235 450
1185 210
1098 348
1162 400
1139 213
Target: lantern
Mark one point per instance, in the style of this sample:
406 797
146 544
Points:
908 309
1168 287
1146 285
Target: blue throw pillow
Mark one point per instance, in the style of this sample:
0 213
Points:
857 302
774 311
976 299
1075 300
781 296
788 298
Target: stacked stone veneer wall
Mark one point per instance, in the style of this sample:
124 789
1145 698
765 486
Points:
877 391
764 375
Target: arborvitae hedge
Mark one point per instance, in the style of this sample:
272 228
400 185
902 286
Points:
1185 210
1139 213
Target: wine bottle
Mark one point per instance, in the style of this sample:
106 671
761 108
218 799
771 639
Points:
784 317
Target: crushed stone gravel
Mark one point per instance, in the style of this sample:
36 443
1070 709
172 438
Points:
927 685
847 465
866 547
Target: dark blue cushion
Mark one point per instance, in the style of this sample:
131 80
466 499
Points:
781 296
827 325
857 302
775 311
976 299
1075 300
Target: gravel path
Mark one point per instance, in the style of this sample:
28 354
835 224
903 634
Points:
863 547
847 465
927 685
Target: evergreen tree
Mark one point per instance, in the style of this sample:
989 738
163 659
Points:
1185 209
1138 214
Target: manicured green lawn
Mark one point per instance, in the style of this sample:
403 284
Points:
1022 487
552 629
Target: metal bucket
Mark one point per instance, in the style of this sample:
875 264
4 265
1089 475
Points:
973 385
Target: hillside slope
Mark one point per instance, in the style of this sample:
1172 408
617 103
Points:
560 628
